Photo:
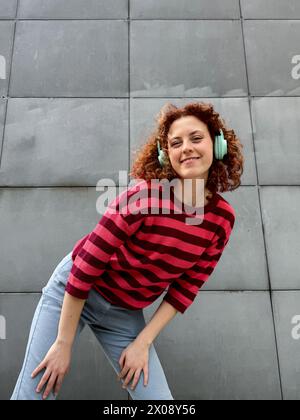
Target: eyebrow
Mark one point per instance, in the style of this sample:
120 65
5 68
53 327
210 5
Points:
192 132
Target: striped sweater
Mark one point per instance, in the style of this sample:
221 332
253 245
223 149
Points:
132 257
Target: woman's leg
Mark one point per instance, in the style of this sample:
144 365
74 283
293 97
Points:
43 333
114 327
115 330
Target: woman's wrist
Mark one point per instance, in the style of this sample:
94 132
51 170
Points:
63 342
143 340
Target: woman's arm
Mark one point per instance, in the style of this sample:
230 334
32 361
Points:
57 361
69 319
135 357
163 315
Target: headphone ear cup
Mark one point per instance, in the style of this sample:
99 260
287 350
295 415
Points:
220 146
163 158
161 155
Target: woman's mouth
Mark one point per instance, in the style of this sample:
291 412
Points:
189 160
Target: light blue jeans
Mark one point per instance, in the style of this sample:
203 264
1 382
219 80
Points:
114 327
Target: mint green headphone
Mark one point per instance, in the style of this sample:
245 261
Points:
220 149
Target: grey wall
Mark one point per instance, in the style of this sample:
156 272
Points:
80 84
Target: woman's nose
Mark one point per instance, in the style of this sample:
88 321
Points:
187 146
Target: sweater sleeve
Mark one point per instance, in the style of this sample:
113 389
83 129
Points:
182 292
115 226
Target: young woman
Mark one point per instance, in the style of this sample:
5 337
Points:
131 257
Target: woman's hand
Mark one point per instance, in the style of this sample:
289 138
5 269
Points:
57 363
133 360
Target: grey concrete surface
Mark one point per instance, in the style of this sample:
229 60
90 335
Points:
287 322
2 114
276 125
66 58
6 40
8 9
67 141
270 9
282 235
271 47
158 72
73 9
83 81
191 9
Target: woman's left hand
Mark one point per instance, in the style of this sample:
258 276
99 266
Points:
133 360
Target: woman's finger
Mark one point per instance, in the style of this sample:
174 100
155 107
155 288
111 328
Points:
146 375
41 366
123 372
58 384
121 360
50 385
128 378
44 379
136 378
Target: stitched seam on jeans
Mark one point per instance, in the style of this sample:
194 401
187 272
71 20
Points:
29 346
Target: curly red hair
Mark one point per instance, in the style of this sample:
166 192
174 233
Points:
224 175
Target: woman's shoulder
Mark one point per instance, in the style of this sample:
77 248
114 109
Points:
227 214
226 205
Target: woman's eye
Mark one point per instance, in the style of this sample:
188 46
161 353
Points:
195 138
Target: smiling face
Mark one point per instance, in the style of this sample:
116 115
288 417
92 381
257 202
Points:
189 137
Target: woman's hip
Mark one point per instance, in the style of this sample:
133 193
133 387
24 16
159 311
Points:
58 280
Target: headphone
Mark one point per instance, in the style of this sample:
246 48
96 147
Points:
220 149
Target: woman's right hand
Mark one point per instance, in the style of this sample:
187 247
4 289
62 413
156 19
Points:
57 363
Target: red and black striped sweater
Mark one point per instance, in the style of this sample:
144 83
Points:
132 257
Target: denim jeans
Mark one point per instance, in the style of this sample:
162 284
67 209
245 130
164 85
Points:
114 327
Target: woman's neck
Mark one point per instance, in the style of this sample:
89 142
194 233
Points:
191 192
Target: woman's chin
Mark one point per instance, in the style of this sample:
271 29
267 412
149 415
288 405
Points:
191 173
